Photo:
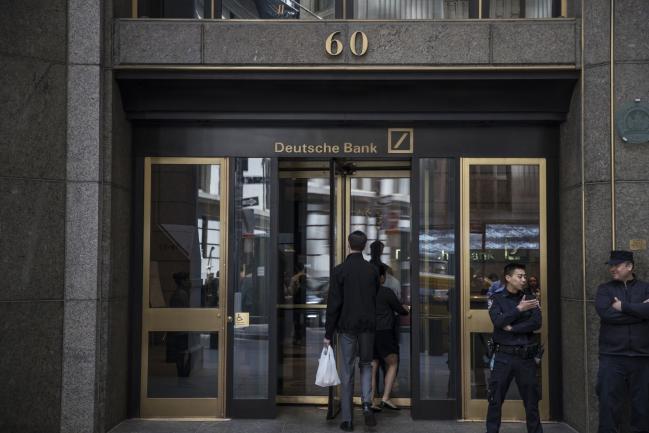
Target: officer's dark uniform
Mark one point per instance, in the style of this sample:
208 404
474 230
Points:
623 354
514 359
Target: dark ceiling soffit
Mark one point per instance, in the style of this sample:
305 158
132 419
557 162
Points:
485 96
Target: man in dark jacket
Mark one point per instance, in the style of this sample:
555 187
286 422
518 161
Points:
351 312
515 318
623 307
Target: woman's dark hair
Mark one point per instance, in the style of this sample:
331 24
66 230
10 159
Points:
383 270
357 240
376 249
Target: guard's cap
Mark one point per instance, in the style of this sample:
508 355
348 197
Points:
620 256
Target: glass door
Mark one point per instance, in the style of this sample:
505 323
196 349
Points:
184 287
318 207
377 202
304 262
503 217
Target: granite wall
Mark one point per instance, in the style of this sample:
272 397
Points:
33 187
65 167
301 43
587 185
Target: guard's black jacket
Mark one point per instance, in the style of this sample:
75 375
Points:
352 297
503 312
627 332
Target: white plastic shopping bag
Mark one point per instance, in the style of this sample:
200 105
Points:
327 374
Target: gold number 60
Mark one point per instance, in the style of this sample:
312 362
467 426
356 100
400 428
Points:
334 46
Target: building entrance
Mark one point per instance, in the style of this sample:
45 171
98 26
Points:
237 255
320 202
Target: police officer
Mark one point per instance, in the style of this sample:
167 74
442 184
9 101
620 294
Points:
623 307
515 317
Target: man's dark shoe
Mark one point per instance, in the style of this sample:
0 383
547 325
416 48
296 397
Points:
347 426
368 414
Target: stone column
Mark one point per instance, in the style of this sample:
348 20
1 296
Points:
33 42
588 194
82 225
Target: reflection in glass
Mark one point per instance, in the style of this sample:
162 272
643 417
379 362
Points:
504 219
174 9
252 245
279 9
303 262
185 247
520 9
380 207
411 9
183 364
436 279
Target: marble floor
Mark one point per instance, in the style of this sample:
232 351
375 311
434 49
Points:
311 419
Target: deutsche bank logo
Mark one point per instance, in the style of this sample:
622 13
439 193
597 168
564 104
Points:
401 140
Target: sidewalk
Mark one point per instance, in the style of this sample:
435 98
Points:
310 419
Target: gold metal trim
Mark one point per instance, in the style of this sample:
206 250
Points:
347 210
473 409
399 401
301 399
323 400
261 21
564 9
387 68
184 319
302 306
582 79
134 11
612 120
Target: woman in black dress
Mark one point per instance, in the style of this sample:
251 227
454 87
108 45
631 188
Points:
386 346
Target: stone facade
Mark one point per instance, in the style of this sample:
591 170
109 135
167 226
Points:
65 220
587 182
66 184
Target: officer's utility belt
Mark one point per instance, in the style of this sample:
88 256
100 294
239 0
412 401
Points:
525 352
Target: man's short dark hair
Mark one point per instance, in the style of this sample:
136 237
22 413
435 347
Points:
357 240
511 267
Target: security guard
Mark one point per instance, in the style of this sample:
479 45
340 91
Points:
623 307
515 317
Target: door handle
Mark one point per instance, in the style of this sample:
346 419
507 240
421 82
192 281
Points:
230 319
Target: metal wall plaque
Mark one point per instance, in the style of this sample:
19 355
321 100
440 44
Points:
633 122
638 244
